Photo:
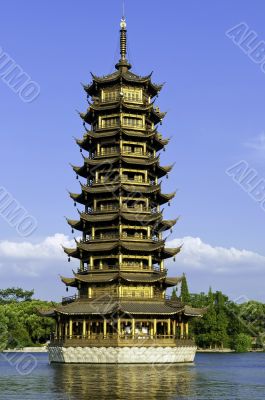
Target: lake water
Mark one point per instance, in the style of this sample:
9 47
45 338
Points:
212 376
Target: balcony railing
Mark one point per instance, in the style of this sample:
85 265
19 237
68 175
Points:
116 267
123 208
100 340
123 179
110 236
112 151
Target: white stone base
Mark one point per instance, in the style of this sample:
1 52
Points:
121 355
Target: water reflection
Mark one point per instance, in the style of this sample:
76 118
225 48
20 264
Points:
124 381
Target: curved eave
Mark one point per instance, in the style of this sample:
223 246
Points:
117 105
112 277
95 247
167 224
78 197
113 187
171 282
128 77
194 312
164 198
46 313
158 141
75 224
71 252
69 281
132 217
170 252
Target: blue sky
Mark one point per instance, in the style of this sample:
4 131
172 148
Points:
214 96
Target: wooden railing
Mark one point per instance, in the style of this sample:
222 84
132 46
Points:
99 340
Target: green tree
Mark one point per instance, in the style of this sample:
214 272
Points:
174 294
184 290
242 343
15 294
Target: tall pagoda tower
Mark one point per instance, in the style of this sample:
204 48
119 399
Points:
121 313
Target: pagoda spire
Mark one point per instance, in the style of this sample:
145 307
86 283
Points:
123 63
123 39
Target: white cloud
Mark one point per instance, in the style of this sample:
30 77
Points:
37 265
199 256
49 248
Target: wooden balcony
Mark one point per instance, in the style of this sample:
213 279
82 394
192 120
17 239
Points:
122 341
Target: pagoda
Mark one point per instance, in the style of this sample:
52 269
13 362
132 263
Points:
121 313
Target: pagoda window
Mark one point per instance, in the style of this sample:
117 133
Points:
135 205
134 176
109 121
133 150
107 205
106 234
105 150
135 263
105 177
133 95
138 291
136 121
134 234
110 95
107 263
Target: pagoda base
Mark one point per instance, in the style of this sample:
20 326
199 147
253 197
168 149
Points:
122 355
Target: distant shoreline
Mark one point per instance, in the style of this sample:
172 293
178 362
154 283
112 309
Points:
44 349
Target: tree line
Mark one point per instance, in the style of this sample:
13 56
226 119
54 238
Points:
224 323
240 327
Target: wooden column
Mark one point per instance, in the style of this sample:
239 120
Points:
133 328
150 261
84 328
70 328
89 292
169 327
155 327
104 327
187 330
181 330
119 327
174 328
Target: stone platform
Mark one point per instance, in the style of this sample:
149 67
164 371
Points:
121 355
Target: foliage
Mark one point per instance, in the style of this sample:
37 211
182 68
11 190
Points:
184 290
225 324
15 294
20 323
242 343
